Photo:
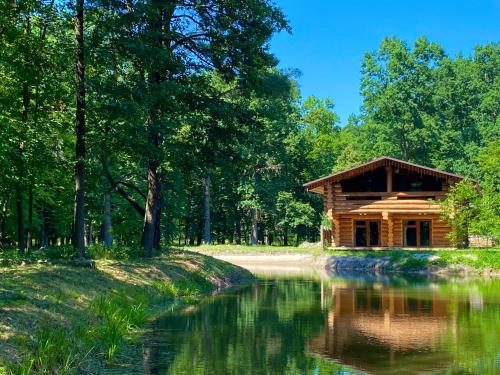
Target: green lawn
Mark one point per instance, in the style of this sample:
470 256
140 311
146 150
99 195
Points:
306 248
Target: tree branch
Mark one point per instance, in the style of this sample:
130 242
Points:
119 189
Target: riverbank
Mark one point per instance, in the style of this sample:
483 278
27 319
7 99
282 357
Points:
443 262
306 248
57 318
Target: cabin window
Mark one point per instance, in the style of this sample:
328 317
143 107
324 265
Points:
360 233
375 181
404 180
366 233
425 233
417 233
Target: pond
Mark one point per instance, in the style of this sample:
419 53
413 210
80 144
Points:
340 324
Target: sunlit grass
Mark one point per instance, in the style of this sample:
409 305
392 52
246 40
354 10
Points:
59 319
305 248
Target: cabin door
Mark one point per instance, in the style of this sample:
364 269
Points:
366 233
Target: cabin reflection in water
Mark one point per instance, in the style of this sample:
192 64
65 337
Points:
378 329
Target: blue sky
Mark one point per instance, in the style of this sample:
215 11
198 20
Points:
330 37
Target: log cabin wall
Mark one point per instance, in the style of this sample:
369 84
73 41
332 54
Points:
344 208
391 206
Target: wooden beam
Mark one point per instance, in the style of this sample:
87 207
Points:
388 171
390 231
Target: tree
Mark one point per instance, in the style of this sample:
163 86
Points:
293 215
460 210
79 219
397 88
167 45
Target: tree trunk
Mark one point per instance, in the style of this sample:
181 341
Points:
3 225
22 170
157 235
20 203
20 222
89 239
207 236
107 237
30 219
43 234
151 216
79 214
285 236
237 227
254 231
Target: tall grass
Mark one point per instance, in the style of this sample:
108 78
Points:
119 315
54 352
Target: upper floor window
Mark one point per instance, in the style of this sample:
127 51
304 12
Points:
404 180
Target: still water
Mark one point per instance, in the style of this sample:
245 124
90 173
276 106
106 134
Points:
340 324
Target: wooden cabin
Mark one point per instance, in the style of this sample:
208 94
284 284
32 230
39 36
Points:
385 203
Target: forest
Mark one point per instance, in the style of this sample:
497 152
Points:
151 123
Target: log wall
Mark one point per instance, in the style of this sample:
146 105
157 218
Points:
391 210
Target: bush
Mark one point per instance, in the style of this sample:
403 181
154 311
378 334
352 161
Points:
115 252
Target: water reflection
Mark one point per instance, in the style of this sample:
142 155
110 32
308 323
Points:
382 329
344 324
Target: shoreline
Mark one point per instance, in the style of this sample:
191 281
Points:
93 318
424 262
439 263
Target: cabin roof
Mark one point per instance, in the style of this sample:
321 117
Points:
374 164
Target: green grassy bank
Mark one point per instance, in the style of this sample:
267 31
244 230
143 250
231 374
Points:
64 319
459 261
446 261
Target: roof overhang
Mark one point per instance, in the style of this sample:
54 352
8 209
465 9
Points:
316 186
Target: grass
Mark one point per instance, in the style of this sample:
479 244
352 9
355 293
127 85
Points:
401 260
305 248
473 259
62 320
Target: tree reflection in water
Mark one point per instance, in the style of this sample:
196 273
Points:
338 325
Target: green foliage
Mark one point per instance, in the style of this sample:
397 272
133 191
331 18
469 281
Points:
472 210
293 214
116 251
182 288
459 209
403 260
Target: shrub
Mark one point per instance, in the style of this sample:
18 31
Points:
115 252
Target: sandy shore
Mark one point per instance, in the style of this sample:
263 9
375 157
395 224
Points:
279 264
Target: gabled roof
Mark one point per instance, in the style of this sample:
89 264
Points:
377 163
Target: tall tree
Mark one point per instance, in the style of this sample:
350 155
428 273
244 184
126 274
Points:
167 43
79 218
